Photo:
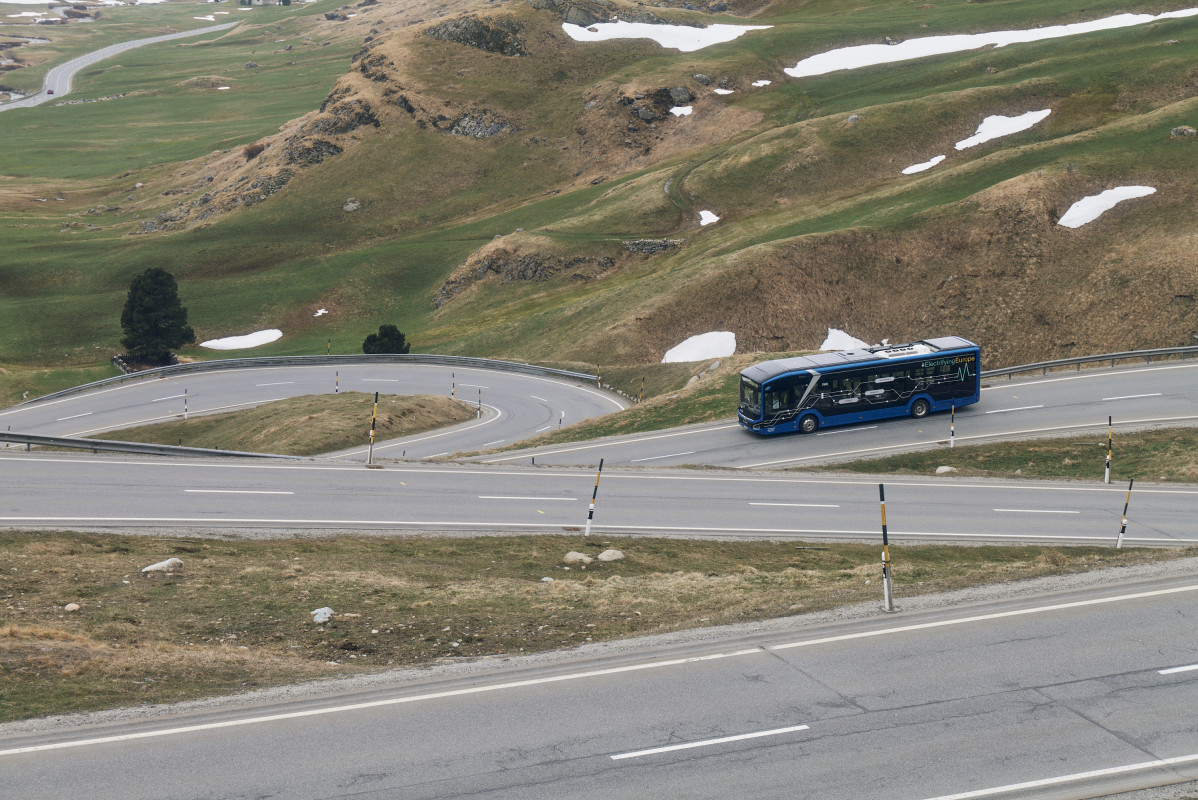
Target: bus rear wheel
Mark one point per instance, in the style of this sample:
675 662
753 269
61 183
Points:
920 408
808 424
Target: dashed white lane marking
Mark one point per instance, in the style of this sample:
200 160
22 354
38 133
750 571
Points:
497 441
539 499
796 505
1035 511
380 380
708 742
847 430
547 427
655 458
74 416
231 491
1077 776
473 386
1173 670
279 383
315 712
1133 396
1021 408
542 399
160 399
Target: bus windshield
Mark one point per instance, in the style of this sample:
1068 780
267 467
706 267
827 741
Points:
750 398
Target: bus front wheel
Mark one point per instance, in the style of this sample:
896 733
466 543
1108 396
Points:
920 408
808 424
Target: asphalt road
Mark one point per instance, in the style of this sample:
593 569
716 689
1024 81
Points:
1072 403
1044 697
58 79
515 405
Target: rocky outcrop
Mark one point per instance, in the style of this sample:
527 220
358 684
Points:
309 152
650 247
491 35
244 193
591 12
512 267
480 126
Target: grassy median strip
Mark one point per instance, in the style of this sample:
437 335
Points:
305 426
1169 454
84 628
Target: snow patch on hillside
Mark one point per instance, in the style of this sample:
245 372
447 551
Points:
716 344
998 125
706 218
254 339
680 37
839 340
1094 206
869 55
914 168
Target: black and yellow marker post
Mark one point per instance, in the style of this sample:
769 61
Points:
594 494
887 594
480 403
1109 424
373 415
1123 527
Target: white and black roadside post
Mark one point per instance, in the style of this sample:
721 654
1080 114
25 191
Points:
1109 424
594 494
337 382
887 593
1123 527
184 404
373 414
952 425
453 386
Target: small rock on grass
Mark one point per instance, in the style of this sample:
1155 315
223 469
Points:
574 557
610 555
945 470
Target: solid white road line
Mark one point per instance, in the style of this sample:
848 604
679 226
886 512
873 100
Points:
160 399
231 491
945 623
499 497
280 383
1077 776
847 430
707 742
1172 670
380 380
473 386
547 427
542 399
456 429
74 416
655 458
1005 410
1035 511
315 712
1000 434
609 444
497 441
173 416
796 505
1133 396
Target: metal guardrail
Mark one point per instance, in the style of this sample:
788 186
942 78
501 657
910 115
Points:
309 361
95 445
1045 366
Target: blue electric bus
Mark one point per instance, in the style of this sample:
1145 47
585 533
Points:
812 392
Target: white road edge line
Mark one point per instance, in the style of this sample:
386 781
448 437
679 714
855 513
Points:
279 383
609 444
316 712
944 623
173 416
1035 511
1173 670
497 441
707 742
542 399
1021 408
655 458
160 399
1077 776
74 416
231 491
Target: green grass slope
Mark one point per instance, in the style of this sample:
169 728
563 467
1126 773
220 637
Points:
514 245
